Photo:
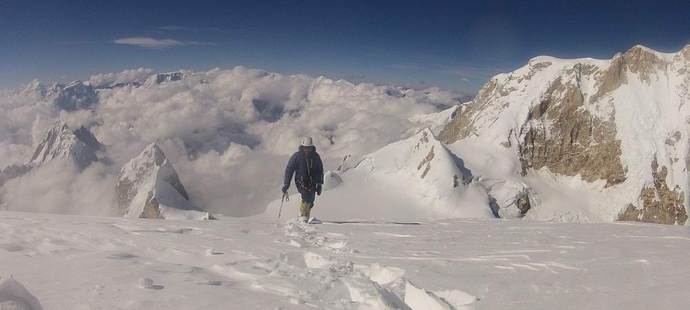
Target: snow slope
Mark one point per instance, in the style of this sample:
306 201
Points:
78 262
14 296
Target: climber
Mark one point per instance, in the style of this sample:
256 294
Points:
307 168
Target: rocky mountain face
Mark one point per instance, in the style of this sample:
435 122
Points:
63 143
620 125
149 187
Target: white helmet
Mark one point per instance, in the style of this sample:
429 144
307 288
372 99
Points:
307 141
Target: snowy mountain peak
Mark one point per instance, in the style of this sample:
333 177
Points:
416 177
640 47
69 97
421 155
35 88
62 143
603 122
75 83
161 78
75 95
152 153
423 168
149 187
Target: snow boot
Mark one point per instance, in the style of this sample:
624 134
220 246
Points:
313 220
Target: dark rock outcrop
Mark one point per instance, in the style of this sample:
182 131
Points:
660 204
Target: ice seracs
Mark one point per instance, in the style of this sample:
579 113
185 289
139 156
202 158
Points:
149 187
612 132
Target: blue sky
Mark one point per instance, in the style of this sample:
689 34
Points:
456 45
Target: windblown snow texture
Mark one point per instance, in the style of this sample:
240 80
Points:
77 262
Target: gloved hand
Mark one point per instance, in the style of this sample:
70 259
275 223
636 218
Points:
285 188
318 189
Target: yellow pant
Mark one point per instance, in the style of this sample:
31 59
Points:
305 209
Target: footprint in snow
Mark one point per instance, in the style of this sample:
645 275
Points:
121 256
147 283
212 251
12 247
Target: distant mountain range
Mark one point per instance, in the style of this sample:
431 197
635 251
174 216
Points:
583 140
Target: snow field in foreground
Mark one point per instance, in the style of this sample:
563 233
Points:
76 262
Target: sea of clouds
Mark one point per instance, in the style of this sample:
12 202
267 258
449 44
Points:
229 133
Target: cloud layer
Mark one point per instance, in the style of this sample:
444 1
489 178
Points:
228 132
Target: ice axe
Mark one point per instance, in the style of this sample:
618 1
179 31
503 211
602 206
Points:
285 198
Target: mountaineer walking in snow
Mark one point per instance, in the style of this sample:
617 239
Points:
307 168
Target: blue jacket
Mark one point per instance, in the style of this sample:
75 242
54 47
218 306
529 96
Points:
307 169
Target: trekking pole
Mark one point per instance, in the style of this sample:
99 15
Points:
285 198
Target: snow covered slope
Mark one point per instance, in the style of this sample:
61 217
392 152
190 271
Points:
149 187
613 134
77 262
14 296
426 172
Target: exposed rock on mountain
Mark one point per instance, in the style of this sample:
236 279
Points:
659 204
603 122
